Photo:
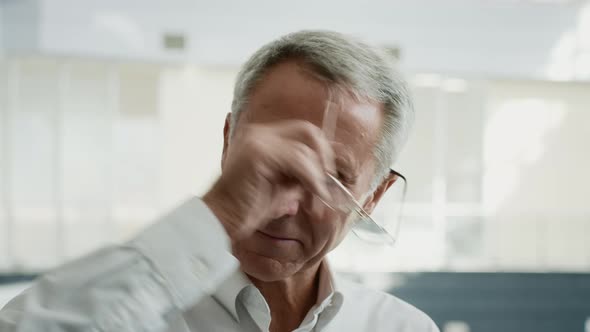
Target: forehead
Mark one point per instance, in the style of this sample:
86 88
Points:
289 91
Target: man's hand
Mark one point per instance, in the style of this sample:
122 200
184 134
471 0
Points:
265 168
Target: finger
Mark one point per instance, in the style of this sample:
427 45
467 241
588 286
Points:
330 119
299 161
314 138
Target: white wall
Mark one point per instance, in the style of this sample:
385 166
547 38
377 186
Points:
1 30
536 180
194 102
22 25
499 39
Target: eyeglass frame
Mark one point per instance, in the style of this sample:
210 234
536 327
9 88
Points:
358 209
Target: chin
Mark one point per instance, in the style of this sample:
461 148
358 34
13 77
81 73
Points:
265 268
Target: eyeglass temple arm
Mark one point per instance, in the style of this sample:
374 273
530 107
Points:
396 173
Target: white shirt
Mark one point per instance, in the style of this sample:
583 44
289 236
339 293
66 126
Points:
179 276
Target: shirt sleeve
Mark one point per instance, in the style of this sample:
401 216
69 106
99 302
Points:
433 327
139 286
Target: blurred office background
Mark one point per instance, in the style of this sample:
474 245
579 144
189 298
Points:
111 112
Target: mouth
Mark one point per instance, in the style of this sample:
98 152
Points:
277 238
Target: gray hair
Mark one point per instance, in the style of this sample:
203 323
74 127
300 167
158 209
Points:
364 71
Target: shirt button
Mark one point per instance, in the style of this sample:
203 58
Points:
200 267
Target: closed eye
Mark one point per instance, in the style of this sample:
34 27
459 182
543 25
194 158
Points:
346 179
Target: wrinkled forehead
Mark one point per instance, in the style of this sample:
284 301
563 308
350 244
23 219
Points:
288 91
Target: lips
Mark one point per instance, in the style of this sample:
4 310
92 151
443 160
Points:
277 237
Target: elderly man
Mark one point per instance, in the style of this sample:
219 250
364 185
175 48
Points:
250 254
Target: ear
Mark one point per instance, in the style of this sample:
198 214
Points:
378 193
226 131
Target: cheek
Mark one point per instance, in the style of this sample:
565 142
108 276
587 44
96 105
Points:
329 230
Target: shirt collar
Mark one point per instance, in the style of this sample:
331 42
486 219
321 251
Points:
229 290
326 283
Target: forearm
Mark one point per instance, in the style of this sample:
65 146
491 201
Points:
138 286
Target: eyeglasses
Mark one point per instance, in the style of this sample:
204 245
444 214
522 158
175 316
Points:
385 229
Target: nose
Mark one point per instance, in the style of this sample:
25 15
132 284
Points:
288 200
293 198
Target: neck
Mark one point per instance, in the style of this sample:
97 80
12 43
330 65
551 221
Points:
290 299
